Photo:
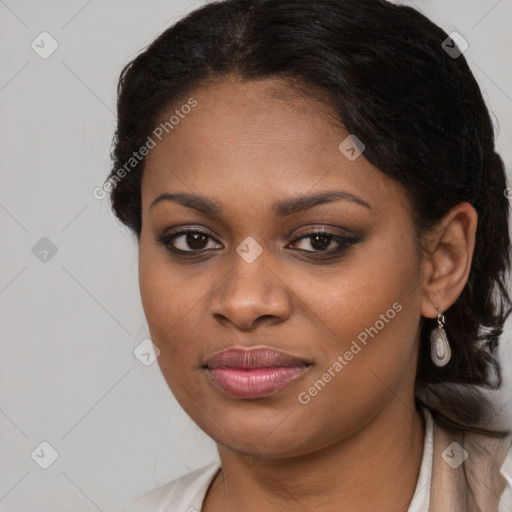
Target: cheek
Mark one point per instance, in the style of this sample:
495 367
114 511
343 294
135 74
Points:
367 366
368 315
171 306
377 281
171 309
373 330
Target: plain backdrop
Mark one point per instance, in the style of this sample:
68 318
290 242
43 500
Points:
70 310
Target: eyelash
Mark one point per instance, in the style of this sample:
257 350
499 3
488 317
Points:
344 242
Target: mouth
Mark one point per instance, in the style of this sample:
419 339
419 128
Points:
253 373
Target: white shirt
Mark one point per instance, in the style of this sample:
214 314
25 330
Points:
187 493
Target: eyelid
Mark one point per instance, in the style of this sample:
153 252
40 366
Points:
304 232
343 240
346 233
169 236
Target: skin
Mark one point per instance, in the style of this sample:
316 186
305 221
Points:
358 443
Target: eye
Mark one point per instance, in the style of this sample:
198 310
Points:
321 240
196 241
179 242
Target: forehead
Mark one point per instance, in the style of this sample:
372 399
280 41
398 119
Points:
256 142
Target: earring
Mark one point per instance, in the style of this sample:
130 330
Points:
439 347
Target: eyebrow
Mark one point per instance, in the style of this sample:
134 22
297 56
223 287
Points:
281 208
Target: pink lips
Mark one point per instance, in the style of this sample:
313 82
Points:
254 373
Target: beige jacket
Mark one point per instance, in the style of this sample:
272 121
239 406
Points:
487 466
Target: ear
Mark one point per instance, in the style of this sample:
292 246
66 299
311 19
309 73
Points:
446 266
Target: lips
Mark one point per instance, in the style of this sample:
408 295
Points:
262 357
253 373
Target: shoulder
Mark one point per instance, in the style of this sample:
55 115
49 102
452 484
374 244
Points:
506 471
185 493
473 471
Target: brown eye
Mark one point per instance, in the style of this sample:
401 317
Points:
191 241
322 241
187 241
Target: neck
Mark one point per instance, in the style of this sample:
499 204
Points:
375 468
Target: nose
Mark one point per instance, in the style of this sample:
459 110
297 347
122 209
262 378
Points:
249 294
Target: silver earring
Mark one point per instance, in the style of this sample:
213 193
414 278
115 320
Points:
439 347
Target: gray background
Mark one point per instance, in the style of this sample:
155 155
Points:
69 325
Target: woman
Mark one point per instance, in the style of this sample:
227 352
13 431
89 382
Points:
322 226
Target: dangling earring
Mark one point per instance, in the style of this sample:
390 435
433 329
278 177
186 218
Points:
439 347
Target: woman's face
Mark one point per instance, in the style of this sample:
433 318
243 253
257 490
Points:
348 309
